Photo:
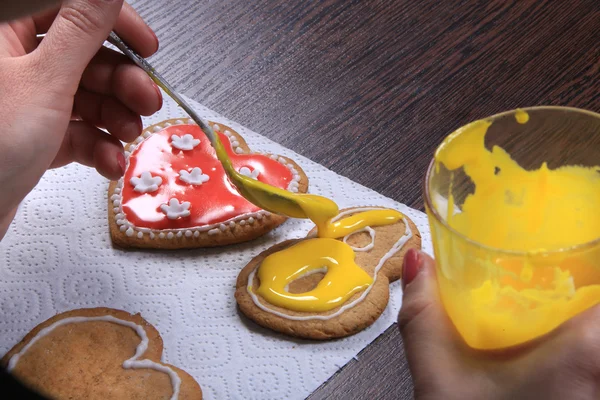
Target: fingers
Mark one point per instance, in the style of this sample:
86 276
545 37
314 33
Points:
135 32
77 33
108 112
429 336
130 27
88 145
111 73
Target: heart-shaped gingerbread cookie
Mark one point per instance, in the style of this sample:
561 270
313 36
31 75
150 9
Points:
175 193
364 279
98 353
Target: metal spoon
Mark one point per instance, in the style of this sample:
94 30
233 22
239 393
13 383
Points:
265 196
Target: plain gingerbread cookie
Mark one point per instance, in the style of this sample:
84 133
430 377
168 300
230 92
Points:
91 354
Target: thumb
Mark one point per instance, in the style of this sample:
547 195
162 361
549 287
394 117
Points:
76 35
429 335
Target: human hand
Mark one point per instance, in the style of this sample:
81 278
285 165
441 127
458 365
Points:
57 93
564 364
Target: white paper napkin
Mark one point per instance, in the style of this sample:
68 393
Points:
57 256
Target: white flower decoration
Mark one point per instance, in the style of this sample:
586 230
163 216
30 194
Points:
249 173
185 142
175 209
195 177
146 183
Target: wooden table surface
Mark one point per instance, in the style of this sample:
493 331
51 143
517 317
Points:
368 88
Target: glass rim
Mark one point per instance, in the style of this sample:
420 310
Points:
429 203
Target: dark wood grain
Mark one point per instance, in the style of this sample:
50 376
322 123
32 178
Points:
369 88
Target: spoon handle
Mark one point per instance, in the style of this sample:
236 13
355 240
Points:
115 40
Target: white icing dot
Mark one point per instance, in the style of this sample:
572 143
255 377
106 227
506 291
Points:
266 213
214 231
282 160
179 122
179 234
196 233
120 216
191 121
120 222
251 220
117 190
243 222
239 150
167 124
273 156
114 197
216 127
232 224
129 232
188 233
116 203
152 235
140 235
157 128
228 133
138 140
123 228
259 216
126 153
170 235
161 235
293 189
116 210
235 143
223 227
146 134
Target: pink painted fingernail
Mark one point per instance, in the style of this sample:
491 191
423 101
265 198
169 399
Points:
413 262
121 162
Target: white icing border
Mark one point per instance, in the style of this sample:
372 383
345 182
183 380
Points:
395 248
368 247
132 363
131 230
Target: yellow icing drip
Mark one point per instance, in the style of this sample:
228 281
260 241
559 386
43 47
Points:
343 277
521 116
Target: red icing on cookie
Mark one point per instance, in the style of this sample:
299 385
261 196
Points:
212 202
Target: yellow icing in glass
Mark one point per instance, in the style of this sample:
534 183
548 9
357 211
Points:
498 302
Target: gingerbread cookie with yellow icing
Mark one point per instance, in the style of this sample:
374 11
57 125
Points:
175 193
323 288
98 353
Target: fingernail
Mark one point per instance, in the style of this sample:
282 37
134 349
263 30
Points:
156 40
411 267
121 162
159 93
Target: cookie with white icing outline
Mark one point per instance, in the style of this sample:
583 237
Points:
98 353
175 194
389 244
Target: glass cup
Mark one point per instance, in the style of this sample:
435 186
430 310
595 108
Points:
500 298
